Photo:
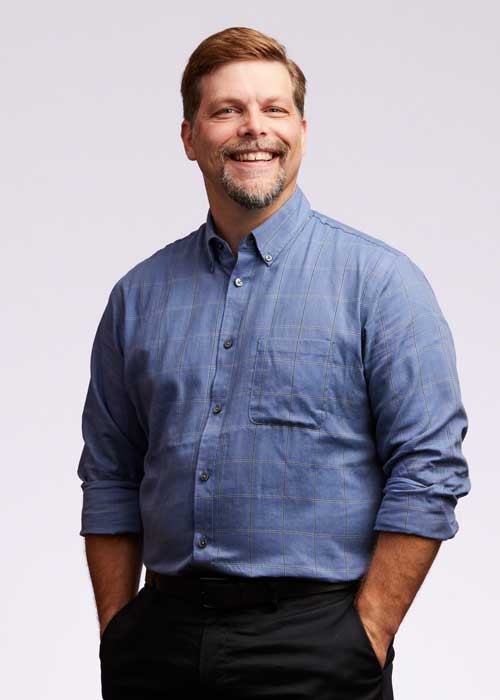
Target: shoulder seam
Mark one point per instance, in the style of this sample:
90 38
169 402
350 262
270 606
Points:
163 252
377 244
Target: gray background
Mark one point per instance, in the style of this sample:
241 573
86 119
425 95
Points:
403 114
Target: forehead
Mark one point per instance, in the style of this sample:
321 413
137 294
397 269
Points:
246 80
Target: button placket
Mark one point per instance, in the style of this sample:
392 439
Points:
235 302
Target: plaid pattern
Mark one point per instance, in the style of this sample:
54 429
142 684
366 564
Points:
264 415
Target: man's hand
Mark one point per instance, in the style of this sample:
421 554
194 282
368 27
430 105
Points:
105 622
380 639
107 616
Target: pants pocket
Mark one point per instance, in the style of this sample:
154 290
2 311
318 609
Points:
112 629
365 639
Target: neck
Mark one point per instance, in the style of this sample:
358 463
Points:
233 222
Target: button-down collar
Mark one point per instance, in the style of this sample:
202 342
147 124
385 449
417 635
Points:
274 234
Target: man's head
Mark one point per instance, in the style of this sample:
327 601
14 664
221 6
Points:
241 93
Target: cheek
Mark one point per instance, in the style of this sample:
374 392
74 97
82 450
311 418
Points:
292 139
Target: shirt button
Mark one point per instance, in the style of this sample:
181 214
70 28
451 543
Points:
202 543
238 281
204 476
268 257
220 245
228 343
217 408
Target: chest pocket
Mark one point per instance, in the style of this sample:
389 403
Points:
290 382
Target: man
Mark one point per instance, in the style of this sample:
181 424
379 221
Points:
273 423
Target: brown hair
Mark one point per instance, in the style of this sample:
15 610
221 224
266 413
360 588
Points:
235 44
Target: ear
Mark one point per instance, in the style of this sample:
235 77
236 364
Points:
304 135
187 139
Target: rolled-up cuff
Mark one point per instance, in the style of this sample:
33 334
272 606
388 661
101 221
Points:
110 508
418 514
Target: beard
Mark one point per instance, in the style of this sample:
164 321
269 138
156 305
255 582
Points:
253 192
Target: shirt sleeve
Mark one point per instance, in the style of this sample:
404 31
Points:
419 418
111 465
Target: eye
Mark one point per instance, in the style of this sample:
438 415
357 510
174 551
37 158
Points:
228 109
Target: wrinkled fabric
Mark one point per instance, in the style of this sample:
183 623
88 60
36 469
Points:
266 414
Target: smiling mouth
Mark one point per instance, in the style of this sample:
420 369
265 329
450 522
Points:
254 163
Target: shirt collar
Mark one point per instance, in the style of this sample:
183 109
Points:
274 234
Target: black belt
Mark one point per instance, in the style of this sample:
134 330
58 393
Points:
239 592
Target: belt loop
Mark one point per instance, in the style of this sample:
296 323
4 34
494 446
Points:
272 586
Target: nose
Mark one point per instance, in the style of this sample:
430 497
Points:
252 124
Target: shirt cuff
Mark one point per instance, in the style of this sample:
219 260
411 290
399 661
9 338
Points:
418 514
110 508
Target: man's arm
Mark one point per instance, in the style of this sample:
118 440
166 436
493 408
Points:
115 565
419 424
397 569
111 468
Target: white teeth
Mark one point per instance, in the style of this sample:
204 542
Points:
253 156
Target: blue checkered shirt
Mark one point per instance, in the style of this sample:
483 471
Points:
265 414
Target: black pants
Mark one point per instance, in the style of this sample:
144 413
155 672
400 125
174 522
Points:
314 647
